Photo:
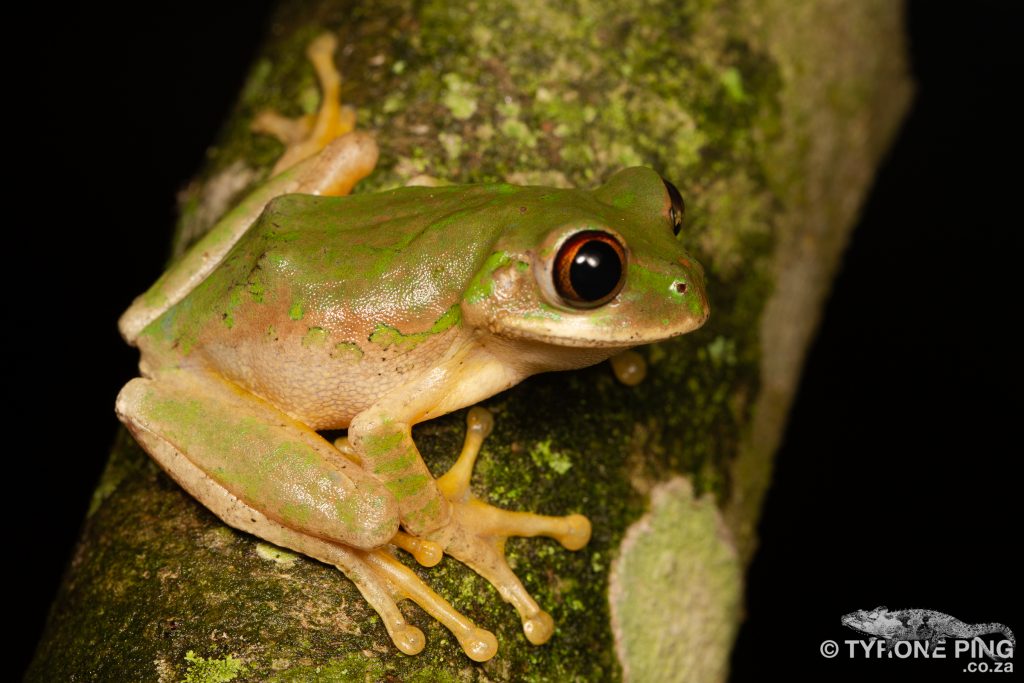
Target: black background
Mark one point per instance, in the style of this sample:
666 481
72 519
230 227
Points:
897 480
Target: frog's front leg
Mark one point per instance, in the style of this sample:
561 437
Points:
478 535
263 472
443 511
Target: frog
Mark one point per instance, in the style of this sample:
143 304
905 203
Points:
307 309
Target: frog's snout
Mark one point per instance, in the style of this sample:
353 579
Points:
691 266
688 288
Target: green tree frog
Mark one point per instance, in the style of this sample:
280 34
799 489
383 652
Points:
304 310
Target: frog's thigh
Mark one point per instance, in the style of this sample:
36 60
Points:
228 447
163 415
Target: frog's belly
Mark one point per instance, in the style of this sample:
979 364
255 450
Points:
325 385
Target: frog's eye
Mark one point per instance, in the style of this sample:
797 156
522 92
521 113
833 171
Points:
678 207
589 269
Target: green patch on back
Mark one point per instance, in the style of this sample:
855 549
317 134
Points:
347 351
155 297
234 301
482 284
171 411
256 290
388 336
315 336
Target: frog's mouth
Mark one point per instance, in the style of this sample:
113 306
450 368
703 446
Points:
590 329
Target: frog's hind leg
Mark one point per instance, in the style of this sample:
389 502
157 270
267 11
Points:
323 156
478 538
306 135
241 448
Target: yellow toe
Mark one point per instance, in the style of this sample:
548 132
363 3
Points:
576 534
539 627
479 644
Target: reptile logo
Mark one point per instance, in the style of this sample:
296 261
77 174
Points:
920 624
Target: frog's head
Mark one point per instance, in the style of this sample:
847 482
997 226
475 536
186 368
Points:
600 269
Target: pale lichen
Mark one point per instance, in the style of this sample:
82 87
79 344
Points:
676 590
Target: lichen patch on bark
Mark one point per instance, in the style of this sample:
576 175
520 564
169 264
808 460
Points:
675 590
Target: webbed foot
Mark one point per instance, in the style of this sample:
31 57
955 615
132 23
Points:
400 582
306 135
157 411
477 532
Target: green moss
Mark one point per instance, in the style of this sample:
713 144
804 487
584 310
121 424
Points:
353 667
732 81
458 96
202 670
451 143
275 554
122 465
543 454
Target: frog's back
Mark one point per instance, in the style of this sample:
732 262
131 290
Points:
326 303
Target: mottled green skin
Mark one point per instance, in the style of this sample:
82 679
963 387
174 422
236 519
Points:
768 114
393 268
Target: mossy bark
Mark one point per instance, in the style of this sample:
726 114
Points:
770 115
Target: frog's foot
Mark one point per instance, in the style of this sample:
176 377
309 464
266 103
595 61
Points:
152 409
306 135
478 644
629 367
478 531
383 581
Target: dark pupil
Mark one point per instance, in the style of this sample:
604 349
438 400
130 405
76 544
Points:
595 271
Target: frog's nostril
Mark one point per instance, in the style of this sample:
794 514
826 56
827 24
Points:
680 287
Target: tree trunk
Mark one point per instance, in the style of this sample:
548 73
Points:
770 116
